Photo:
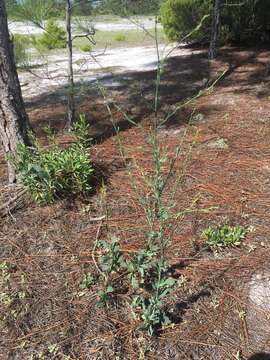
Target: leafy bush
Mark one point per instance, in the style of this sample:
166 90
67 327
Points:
54 173
225 236
181 17
245 22
120 37
53 37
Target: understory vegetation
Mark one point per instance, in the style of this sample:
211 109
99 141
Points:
54 173
224 236
246 22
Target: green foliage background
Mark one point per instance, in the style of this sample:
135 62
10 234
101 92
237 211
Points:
245 22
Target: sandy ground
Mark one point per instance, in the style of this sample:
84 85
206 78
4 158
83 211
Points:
52 70
27 28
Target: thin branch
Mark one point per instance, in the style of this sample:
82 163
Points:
86 35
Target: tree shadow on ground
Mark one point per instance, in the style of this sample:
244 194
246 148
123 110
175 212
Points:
134 92
181 307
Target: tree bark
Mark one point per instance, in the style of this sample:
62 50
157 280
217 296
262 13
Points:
71 102
14 122
215 30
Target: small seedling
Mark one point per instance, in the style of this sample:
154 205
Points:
224 236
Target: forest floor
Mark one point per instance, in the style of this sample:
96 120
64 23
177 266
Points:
219 307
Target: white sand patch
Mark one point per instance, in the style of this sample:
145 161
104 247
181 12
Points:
27 28
52 72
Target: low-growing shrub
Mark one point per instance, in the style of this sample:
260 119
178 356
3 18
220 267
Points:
54 37
120 37
86 47
224 236
49 174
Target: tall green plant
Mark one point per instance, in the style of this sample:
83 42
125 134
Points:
146 272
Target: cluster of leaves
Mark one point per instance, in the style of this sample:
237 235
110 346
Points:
157 286
224 236
145 277
144 274
36 10
54 173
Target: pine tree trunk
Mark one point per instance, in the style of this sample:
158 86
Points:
14 123
215 30
71 102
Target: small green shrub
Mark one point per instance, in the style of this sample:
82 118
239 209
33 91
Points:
86 47
120 37
224 236
49 174
53 37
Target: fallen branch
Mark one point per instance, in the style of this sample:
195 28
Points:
11 204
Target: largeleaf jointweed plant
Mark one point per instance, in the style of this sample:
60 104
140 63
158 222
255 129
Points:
146 273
